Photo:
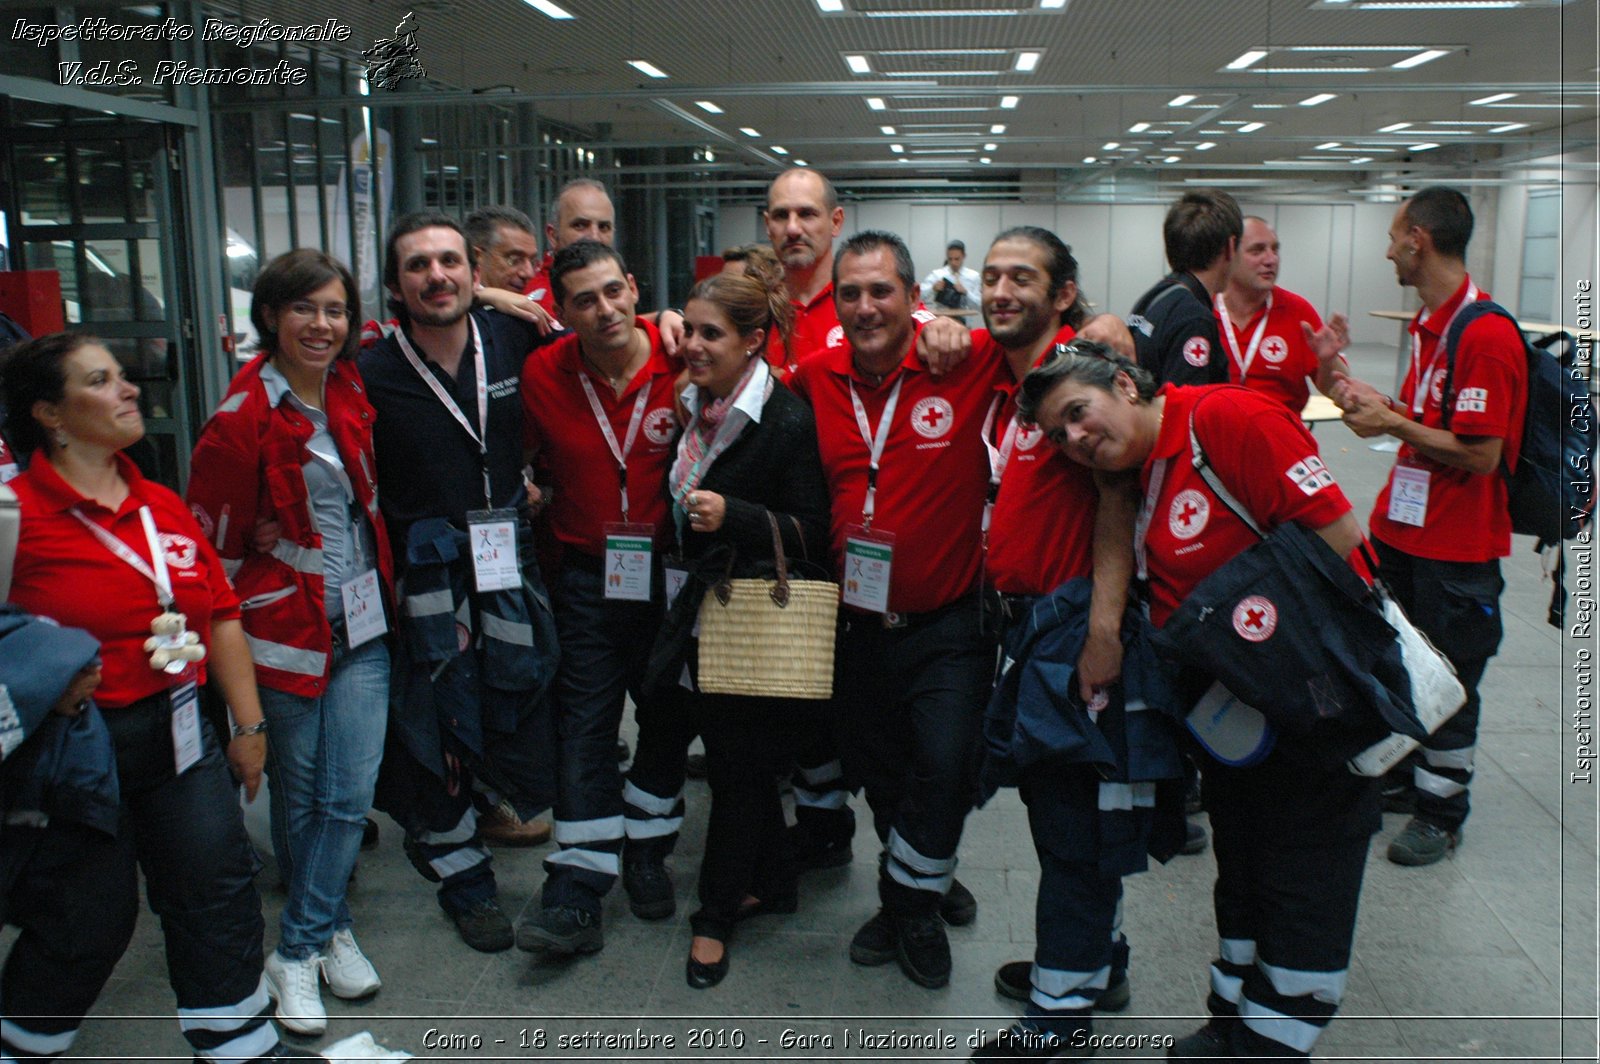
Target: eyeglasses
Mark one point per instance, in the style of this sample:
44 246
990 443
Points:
309 311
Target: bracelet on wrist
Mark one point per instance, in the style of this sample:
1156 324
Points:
241 730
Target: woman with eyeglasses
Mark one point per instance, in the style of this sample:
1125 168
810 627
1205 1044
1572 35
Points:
290 447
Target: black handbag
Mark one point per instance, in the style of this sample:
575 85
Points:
1290 629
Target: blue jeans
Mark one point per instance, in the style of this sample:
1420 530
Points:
322 756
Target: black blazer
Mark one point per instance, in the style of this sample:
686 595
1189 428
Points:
773 467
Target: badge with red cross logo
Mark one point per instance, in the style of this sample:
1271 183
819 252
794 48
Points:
659 423
932 417
1197 352
1188 515
1273 349
1255 618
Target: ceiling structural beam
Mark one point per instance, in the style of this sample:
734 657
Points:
898 87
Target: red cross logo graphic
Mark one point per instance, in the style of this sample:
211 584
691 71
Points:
658 425
932 417
1255 618
1187 516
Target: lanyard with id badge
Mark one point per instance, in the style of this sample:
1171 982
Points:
492 532
629 545
171 649
869 552
361 595
1408 489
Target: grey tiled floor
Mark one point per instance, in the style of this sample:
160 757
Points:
1477 958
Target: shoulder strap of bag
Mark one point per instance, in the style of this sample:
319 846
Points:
1202 466
1452 340
10 526
780 589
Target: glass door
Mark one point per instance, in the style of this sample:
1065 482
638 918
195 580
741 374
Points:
94 197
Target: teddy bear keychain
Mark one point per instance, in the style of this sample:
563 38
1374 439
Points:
173 646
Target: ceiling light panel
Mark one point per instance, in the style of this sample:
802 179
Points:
1336 58
647 68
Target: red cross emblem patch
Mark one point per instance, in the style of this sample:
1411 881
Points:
659 423
1187 516
1197 352
932 417
1255 618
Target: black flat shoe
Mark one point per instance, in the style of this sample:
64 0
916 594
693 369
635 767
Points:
705 976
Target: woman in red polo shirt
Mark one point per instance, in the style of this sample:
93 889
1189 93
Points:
291 443
1290 830
103 549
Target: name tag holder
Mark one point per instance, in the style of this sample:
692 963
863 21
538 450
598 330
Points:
629 547
1408 495
868 565
187 746
493 546
363 609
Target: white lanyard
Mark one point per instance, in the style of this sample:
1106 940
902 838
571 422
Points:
875 442
480 435
159 576
1422 383
1244 360
619 453
999 458
1141 525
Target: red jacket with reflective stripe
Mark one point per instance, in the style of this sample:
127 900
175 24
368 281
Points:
248 466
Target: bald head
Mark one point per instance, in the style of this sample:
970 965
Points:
582 211
803 219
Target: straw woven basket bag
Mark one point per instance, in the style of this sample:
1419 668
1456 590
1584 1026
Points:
768 638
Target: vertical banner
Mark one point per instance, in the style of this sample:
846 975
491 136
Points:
366 224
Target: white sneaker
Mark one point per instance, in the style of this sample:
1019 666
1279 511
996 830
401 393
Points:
346 968
293 984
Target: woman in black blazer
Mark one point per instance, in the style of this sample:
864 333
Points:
749 451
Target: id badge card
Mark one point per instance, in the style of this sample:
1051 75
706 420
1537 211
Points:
676 577
1408 496
868 560
627 561
363 608
494 549
186 745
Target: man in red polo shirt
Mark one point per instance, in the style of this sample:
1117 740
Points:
1441 524
907 473
1274 339
1042 531
600 421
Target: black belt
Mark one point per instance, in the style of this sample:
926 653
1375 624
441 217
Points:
897 619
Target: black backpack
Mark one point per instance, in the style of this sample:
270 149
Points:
1552 492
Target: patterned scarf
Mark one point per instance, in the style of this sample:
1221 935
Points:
709 434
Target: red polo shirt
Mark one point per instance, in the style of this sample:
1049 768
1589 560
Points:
1283 360
1263 455
1467 519
1042 531
816 327
63 572
572 454
539 287
933 474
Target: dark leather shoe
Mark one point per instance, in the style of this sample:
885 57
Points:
705 976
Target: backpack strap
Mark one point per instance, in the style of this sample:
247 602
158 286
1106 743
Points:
1452 340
